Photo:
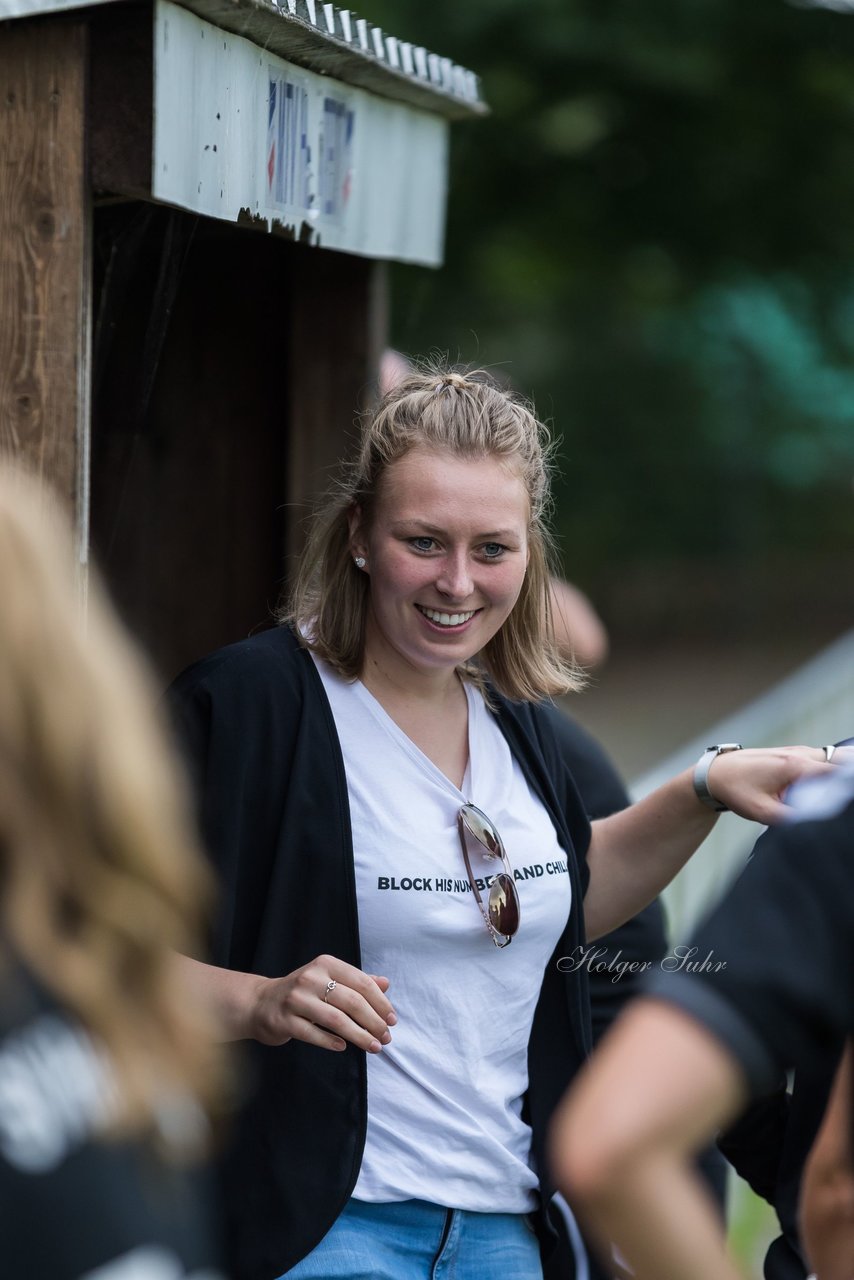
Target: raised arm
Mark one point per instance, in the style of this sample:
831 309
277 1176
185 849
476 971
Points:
634 854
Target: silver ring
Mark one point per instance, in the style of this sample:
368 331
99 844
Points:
828 752
330 987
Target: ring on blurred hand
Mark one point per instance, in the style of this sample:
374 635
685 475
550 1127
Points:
330 987
828 752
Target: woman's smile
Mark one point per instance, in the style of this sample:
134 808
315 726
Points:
446 621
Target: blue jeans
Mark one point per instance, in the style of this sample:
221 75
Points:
414 1240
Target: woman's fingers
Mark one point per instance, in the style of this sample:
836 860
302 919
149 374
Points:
310 1033
752 782
327 1002
346 1014
357 994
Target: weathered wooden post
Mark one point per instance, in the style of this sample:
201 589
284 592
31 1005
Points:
45 249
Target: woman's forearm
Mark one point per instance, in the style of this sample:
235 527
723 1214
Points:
663 1220
656 1089
827 1190
635 853
227 996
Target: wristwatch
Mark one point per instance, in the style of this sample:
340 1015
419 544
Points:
701 774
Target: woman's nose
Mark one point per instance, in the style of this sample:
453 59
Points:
454 579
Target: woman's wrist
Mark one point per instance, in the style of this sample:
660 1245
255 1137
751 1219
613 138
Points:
246 1015
700 778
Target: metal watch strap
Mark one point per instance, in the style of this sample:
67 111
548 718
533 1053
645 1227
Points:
701 774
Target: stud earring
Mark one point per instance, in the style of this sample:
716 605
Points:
359 562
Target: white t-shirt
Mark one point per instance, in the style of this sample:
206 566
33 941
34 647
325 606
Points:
445 1097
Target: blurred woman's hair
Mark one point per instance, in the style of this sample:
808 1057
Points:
100 877
465 413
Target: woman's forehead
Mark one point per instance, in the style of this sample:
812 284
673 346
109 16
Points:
430 466
428 481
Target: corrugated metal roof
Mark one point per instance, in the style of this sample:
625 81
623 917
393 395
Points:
328 40
337 42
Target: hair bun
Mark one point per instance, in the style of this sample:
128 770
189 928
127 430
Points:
456 380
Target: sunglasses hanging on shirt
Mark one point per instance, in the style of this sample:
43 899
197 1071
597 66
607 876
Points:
501 914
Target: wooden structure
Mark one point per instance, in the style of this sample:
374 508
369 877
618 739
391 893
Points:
186 381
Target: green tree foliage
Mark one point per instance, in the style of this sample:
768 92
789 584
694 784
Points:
653 234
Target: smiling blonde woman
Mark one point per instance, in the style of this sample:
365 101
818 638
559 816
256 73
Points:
388 809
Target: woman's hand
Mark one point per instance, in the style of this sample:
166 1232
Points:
752 782
327 1003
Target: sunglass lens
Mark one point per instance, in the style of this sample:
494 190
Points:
504 905
481 828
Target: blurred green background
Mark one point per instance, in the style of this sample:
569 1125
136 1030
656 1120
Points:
653 235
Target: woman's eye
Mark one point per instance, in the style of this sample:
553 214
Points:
422 544
492 550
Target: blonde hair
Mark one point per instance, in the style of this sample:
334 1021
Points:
467 414
100 879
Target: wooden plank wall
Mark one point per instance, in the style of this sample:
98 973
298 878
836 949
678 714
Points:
45 244
205 463
339 323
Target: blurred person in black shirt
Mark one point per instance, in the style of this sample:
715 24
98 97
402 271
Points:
775 991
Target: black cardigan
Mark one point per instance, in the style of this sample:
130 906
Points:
264 753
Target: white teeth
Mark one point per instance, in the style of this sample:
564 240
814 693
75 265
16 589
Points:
447 619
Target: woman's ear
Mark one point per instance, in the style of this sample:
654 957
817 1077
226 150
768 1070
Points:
358 545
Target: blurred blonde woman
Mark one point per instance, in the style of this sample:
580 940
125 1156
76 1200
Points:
106 1078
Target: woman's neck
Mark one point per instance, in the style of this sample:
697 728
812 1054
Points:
390 685
432 714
